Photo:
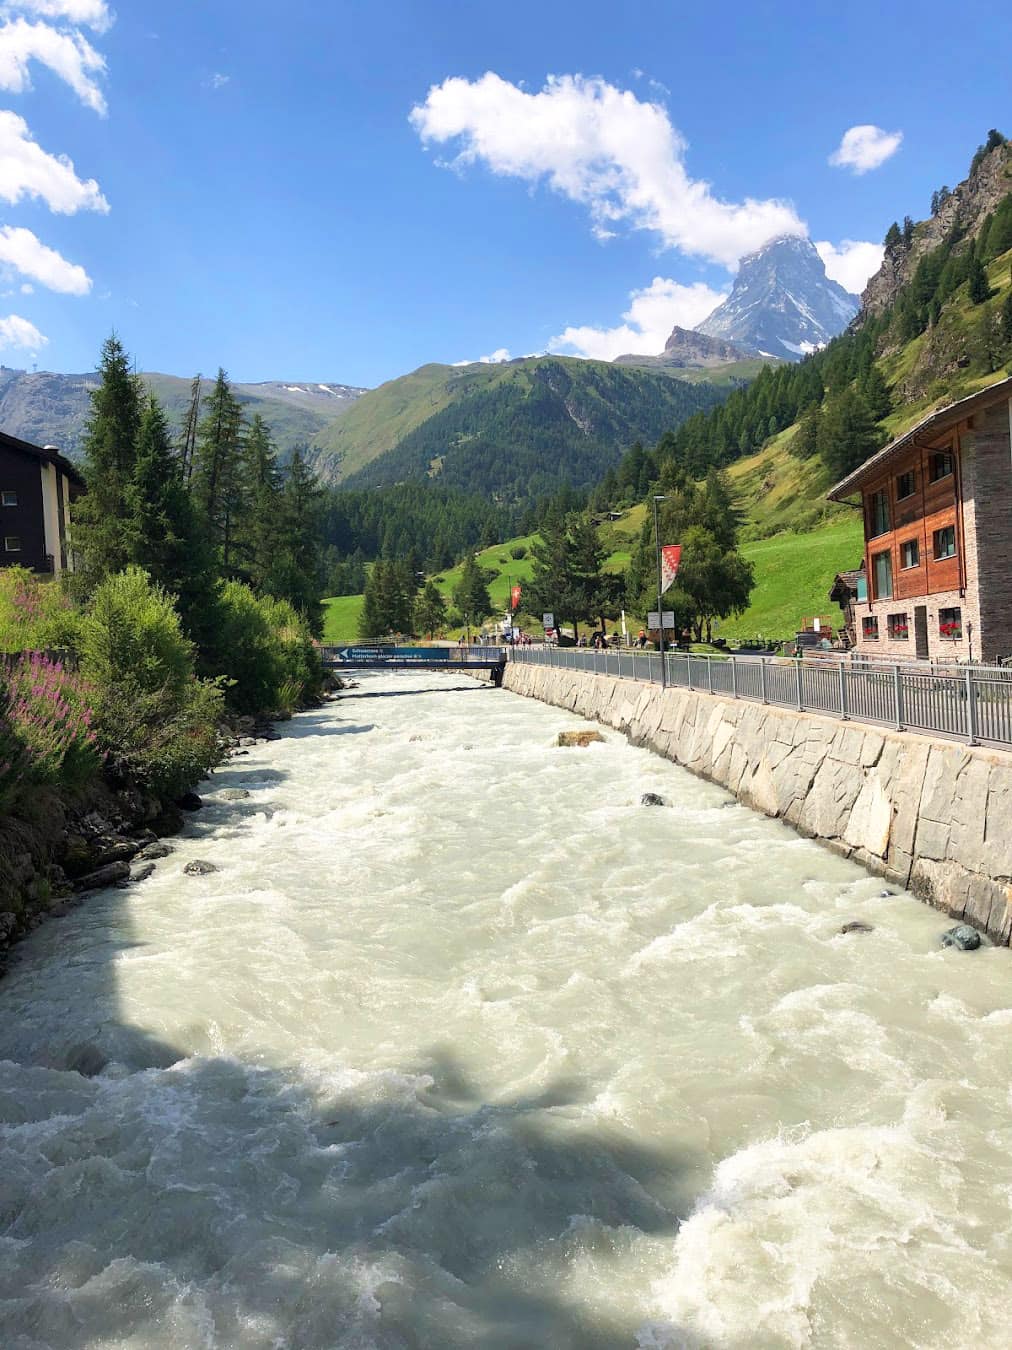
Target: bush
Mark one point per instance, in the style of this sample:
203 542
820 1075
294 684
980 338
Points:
517 552
46 735
265 649
35 615
155 719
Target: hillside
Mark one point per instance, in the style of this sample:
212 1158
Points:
52 409
516 430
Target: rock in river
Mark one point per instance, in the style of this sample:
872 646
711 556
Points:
234 795
198 868
964 937
579 737
652 799
857 926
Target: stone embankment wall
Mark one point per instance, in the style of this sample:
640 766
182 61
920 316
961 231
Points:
931 815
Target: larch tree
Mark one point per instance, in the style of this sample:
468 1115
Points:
217 484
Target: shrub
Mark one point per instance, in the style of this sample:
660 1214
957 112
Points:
265 649
46 734
35 615
517 552
155 719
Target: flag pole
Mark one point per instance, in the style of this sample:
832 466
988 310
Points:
660 611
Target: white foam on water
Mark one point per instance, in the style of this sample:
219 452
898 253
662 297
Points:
462 1046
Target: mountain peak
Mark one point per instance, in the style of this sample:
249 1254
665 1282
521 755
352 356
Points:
782 303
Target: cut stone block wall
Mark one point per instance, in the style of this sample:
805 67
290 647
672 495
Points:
931 815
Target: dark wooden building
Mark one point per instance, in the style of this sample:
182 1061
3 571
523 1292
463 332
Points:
937 506
37 490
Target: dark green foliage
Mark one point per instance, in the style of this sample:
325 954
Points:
553 422
389 598
979 288
471 595
806 440
438 524
218 483
714 580
162 533
847 432
567 577
893 238
430 610
100 519
998 237
1005 329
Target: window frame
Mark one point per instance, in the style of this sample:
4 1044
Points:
945 456
886 553
874 498
898 627
915 544
943 557
869 628
4 496
912 475
14 539
957 635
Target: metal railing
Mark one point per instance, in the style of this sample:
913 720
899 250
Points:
971 703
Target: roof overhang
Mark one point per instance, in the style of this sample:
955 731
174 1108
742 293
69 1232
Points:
46 454
935 424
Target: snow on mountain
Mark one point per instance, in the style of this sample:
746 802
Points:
782 303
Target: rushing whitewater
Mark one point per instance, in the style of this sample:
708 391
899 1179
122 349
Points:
461 1046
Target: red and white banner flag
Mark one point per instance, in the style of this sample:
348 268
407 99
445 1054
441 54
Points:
515 597
671 556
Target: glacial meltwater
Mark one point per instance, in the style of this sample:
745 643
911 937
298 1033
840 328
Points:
462 1046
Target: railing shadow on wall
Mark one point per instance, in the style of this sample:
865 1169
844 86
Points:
971 703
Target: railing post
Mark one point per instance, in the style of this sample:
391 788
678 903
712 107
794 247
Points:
843 691
734 678
688 667
709 675
797 681
971 711
762 678
898 697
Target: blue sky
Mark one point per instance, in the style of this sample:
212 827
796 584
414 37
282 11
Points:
344 191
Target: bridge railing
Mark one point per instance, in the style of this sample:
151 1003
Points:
368 653
971 703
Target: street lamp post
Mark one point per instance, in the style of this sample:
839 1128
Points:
660 612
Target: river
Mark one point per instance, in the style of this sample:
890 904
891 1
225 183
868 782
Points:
461 1046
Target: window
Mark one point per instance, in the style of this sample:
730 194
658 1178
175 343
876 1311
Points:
910 553
862 586
950 624
945 542
882 567
8 499
941 466
906 485
898 626
878 513
869 628
12 544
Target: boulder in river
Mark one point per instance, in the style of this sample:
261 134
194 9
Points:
189 801
199 868
857 926
964 937
152 852
112 874
141 873
579 737
652 799
234 795
85 1059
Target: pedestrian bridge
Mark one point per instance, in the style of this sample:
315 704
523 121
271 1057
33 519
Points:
377 656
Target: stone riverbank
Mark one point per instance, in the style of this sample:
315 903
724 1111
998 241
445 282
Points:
930 815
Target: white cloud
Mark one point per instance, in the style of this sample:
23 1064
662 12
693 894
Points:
217 80
494 359
851 262
27 288
648 322
865 147
26 170
18 332
27 255
602 147
89 13
68 55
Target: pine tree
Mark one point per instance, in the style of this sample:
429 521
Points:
217 483
1005 329
162 533
188 443
99 536
471 593
806 439
372 621
301 507
979 287
430 610
259 536
875 393
847 434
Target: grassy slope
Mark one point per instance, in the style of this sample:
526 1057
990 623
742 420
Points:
340 618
